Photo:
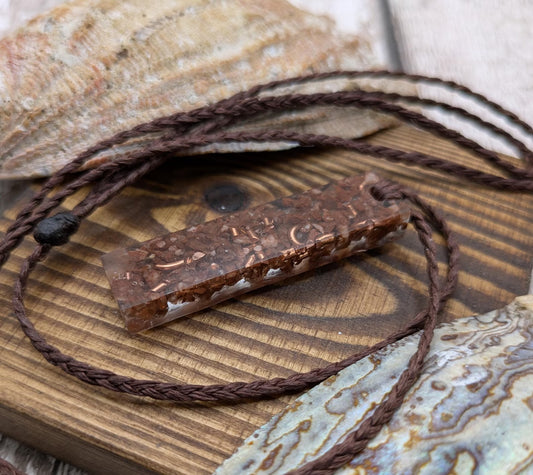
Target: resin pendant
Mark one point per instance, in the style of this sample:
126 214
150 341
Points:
174 275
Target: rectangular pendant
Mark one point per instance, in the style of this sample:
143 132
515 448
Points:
182 272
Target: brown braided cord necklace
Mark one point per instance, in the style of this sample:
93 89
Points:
208 125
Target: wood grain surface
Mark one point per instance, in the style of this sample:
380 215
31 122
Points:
305 322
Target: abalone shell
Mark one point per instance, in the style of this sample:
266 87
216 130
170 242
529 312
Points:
471 411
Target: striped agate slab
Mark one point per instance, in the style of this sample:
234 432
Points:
471 411
88 69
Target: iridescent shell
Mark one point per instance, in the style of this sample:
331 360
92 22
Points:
91 68
471 411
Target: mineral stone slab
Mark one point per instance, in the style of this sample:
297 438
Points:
471 411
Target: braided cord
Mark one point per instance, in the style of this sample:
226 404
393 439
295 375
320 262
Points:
211 125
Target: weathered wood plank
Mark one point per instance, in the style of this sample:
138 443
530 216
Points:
310 320
484 44
33 462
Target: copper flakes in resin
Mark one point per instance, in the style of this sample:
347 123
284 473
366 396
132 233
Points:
186 271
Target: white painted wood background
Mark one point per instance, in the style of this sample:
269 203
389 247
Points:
485 44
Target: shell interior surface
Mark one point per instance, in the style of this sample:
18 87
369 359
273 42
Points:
91 68
471 411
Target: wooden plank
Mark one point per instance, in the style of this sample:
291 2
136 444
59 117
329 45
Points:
14 13
312 319
484 44
351 17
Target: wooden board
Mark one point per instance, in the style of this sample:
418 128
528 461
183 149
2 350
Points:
312 319
454 39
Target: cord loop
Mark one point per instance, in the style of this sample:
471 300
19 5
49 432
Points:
209 125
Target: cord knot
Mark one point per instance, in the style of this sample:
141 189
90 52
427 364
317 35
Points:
387 190
56 230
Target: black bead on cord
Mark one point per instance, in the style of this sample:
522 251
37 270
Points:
56 230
